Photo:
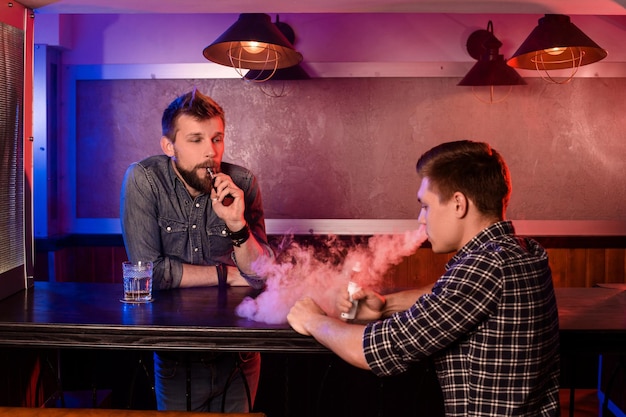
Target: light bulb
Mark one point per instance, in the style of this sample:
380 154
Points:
254 47
555 51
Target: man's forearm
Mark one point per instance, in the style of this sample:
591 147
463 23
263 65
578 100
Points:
403 300
248 253
344 339
199 276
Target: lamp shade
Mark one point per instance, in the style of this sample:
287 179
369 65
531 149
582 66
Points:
284 74
253 42
495 72
295 72
556 43
490 69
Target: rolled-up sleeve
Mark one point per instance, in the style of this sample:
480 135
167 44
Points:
256 221
140 227
457 304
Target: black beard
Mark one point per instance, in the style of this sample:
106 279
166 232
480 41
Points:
193 180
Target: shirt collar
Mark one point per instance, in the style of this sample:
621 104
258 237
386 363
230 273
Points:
488 234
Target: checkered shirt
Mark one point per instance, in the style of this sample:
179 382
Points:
491 326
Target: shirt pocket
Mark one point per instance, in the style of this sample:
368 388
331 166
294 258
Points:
174 235
220 244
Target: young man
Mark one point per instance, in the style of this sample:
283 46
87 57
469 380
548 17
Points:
490 323
177 216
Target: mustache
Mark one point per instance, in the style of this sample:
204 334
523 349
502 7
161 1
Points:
213 167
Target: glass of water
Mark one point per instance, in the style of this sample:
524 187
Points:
137 282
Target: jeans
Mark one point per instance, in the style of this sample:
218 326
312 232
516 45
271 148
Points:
218 382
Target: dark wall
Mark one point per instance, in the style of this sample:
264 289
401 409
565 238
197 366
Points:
347 147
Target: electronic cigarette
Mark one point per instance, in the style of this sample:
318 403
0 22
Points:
352 288
228 200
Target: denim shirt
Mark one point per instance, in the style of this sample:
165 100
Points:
163 223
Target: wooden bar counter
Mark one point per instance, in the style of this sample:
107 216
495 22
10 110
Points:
90 315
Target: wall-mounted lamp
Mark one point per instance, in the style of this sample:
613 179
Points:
490 69
253 42
556 44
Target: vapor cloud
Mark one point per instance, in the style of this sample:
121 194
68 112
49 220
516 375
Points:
323 269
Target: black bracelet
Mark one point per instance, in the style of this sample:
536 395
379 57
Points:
239 237
222 275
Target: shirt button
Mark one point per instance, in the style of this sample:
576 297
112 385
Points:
224 232
193 227
195 249
197 204
169 229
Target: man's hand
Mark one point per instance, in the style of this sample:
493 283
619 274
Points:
233 213
302 313
345 339
371 304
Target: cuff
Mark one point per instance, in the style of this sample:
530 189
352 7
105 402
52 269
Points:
254 281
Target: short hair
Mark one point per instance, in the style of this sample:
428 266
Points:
472 168
194 104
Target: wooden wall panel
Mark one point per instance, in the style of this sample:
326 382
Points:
615 265
558 263
595 267
90 264
576 272
571 267
62 265
422 268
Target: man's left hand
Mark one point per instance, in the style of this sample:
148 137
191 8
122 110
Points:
301 313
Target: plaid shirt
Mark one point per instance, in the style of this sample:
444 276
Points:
491 326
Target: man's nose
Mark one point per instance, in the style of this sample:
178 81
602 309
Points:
210 150
421 217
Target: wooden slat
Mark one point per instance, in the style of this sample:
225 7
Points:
615 265
595 269
571 267
576 272
558 263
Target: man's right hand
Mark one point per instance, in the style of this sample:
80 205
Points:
371 304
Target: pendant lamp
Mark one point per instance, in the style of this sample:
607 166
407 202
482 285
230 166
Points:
253 42
490 69
556 44
295 72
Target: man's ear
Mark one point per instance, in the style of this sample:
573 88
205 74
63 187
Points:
461 204
167 146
